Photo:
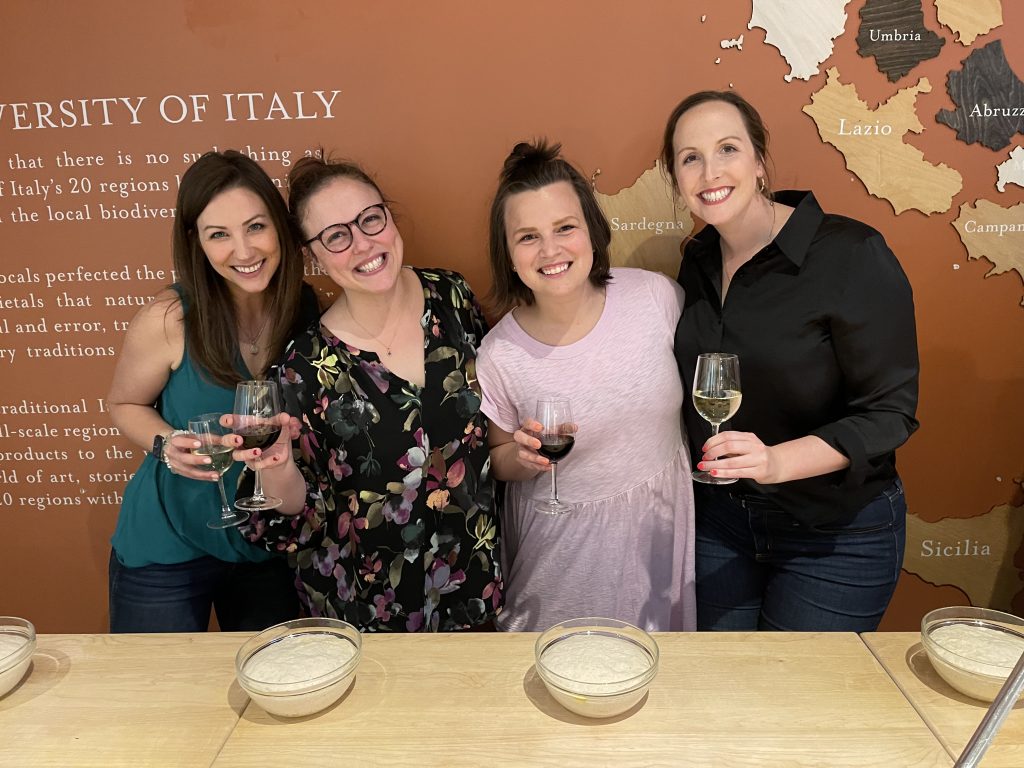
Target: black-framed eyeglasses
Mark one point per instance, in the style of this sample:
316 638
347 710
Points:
337 238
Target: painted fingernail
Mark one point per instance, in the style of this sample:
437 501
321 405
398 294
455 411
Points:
713 472
700 465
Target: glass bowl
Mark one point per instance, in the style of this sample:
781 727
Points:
596 667
973 649
299 667
17 644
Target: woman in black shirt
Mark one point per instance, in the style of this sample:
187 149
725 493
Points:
821 316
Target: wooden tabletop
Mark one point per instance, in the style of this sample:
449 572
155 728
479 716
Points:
764 699
952 716
123 700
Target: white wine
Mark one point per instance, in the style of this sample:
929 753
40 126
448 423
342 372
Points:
220 455
717 406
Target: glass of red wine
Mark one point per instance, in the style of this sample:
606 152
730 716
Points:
557 437
257 406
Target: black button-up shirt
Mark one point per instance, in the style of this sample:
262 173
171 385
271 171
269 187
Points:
822 320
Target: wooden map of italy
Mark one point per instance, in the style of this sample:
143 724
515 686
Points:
893 32
969 18
995 233
989 98
871 140
803 30
648 224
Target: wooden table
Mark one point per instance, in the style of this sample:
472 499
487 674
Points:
759 700
952 716
123 700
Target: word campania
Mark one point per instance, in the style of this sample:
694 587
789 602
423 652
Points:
174 109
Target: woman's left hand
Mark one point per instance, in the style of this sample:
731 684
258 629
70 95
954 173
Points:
739 454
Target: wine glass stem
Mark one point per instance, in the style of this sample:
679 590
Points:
257 492
554 481
225 508
714 428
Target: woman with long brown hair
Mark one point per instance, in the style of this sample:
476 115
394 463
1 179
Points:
238 296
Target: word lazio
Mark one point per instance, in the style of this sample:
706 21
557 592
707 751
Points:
174 109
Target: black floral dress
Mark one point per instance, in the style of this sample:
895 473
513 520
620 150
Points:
398 531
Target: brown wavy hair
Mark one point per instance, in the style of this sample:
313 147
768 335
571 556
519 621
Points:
311 174
211 319
751 120
531 166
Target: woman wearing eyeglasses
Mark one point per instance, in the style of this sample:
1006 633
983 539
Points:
387 507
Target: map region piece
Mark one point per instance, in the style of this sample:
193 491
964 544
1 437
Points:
872 142
1011 171
648 224
974 554
969 18
989 99
995 233
893 32
802 30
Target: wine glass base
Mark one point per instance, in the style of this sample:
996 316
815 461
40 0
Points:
704 477
257 505
553 507
228 521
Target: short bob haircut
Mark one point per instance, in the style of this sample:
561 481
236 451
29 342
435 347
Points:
211 320
531 167
311 174
751 119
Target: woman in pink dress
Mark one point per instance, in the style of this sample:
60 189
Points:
602 338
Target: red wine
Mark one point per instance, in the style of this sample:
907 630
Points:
555 447
261 436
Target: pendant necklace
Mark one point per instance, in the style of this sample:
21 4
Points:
253 342
374 337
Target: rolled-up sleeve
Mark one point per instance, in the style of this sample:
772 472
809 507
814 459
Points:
875 340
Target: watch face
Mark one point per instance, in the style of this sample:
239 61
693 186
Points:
158 447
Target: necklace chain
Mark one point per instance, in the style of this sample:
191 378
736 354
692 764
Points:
253 342
375 337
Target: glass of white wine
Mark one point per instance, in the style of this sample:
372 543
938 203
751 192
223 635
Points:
716 396
210 435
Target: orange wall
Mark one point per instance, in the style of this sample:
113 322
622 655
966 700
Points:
432 96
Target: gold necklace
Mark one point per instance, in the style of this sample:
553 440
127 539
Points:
254 348
377 337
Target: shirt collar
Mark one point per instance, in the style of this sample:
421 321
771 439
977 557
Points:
794 239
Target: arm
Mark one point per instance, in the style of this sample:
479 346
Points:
875 342
153 348
514 456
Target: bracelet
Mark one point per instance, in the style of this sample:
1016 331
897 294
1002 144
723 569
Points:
166 456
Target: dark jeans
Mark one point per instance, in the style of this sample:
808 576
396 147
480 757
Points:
759 568
178 598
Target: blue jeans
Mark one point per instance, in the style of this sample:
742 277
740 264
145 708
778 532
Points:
759 568
179 597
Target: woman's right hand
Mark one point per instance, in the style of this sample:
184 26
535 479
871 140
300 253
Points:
277 455
180 460
527 444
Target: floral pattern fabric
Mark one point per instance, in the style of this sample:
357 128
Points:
398 531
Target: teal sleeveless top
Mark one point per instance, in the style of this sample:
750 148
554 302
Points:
163 516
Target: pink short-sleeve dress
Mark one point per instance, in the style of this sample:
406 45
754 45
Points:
626 551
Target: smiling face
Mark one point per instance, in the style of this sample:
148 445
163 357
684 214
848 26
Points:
717 168
372 263
549 242
240 241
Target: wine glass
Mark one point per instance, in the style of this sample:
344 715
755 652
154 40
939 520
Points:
557 437
210 434
716 396
257 405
